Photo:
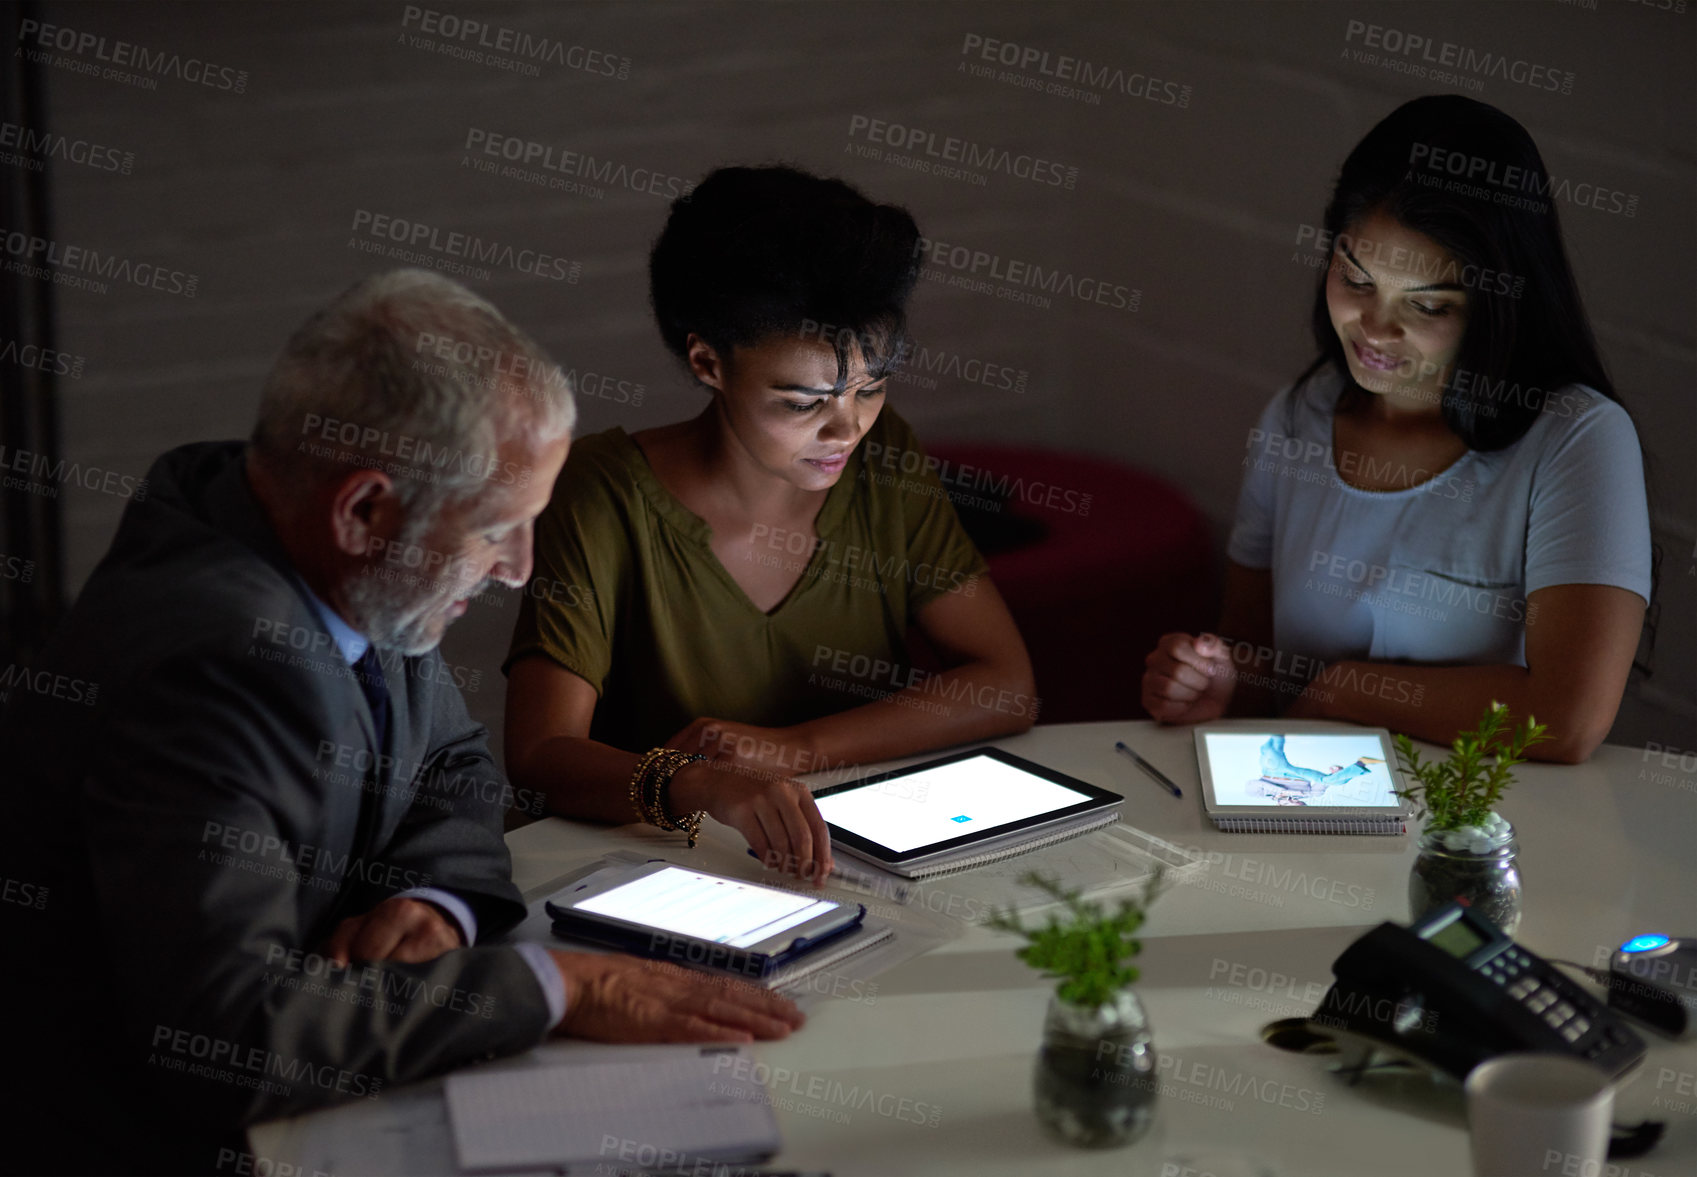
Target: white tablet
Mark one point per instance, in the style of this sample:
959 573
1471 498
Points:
1304 777
663 911
949 810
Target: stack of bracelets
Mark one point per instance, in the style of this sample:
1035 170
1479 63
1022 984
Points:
648 786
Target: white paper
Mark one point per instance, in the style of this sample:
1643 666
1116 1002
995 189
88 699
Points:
681 1105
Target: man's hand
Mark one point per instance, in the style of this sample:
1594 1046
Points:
399 928
1188 679
778 816
623 999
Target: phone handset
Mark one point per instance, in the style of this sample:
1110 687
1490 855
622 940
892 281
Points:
1452 990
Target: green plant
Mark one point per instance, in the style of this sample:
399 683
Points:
1090 950
1463 789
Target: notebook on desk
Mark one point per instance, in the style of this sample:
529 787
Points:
667 1108
1300 778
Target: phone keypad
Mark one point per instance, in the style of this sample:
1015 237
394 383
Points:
1505 966
1555 1007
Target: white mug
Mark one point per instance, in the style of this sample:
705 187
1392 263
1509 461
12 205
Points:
1539 1115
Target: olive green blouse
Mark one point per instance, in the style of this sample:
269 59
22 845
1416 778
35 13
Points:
628 594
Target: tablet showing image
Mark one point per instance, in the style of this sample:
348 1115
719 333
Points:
944 811
1310 778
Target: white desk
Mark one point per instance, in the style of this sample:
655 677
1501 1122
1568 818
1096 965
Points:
1608 848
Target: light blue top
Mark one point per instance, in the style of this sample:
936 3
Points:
1438 572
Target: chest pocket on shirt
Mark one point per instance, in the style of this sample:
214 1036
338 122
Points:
1436 615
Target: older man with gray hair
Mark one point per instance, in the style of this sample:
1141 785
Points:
271 833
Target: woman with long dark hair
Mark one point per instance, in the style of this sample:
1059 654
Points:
1447 508
740 586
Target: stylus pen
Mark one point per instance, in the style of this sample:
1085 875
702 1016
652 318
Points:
897 891
1160 778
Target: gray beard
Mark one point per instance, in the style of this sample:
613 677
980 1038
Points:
403 612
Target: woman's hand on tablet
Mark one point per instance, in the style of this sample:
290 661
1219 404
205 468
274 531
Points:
1188 679
777 815
615 998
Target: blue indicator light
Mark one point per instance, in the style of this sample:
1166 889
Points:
1644 943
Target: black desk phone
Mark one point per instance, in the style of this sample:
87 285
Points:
1451 991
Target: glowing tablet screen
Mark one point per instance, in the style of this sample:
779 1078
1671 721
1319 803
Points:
949 801
705 907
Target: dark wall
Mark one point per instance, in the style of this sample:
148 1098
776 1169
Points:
1192 197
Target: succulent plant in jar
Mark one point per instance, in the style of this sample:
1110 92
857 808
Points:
1468 852
1094 1083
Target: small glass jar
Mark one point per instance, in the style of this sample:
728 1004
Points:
1095 1081
1481 874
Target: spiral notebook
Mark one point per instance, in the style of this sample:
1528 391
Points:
1300 778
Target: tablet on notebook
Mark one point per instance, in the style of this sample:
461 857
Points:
668 912
959 811
1272 776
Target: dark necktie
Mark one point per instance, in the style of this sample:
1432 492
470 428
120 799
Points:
369 671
